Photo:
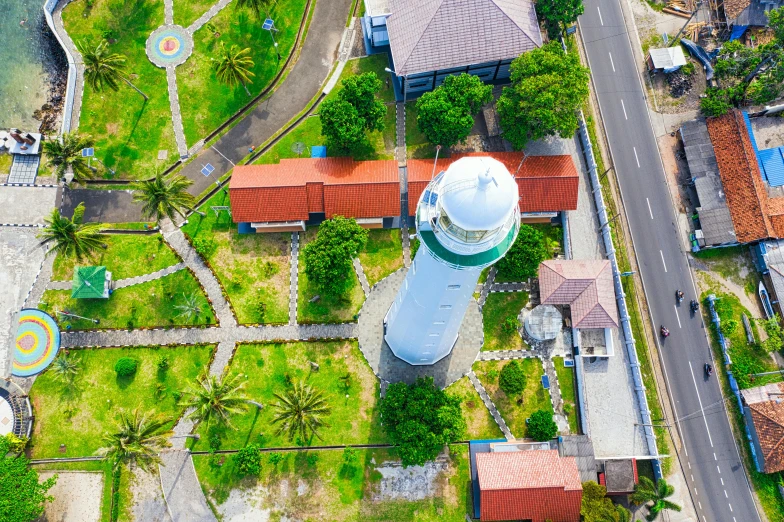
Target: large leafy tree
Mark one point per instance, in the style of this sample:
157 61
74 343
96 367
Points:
234 66
22 496
654 496
71 237
522 260
103 68
445 116
420 419
215 400
558 13
300 411
328 258
137 438
548 86
353 111
597 507
164 197
541 426
65 153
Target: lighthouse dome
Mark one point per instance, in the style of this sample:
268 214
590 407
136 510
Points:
478 193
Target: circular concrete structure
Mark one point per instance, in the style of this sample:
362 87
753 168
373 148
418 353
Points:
390 368
169 46
543 323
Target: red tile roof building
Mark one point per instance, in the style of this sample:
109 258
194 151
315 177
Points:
764 416
534 485
585 285
294 188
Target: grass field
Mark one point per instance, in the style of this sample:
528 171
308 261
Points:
335 491
79 418
144 305
326 309
252 268
187 11
382 255
566 382
126 256
499 307
479 423
128 131
269 367
515 410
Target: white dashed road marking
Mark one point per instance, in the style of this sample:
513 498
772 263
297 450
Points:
677 316
662 256
600 15
636 157
649 207
611 61
624 109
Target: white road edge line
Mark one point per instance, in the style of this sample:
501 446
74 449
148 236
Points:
600 15
649 207
611 61
677 316
636 157
626 117
705 419
662 256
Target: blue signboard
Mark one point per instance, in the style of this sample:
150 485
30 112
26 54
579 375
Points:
88 153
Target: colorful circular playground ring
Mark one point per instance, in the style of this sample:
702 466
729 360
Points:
37 342
169 46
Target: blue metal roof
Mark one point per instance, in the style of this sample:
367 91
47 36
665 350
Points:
770 161
318 151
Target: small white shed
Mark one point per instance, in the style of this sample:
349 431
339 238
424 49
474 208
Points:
669 59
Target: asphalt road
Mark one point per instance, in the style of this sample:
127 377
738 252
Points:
714 472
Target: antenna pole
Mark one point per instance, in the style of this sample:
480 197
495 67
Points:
438 149
525 157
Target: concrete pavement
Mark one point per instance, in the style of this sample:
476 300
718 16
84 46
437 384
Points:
715 475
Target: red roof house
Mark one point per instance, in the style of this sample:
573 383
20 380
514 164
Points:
535 485
585 285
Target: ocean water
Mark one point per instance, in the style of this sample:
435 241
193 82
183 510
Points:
23 63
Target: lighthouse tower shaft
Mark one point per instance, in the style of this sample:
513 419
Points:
466 219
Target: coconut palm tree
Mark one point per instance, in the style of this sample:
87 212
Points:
137 439
71 237
257 6
215 399
300 411
234 66
189 308
65 153
65 368
103 68
162 197
646 491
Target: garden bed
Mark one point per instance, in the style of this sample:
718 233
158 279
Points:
480 425
382 255
270 367
515 410
566 383
145 305
319 486
79 417
500 307
252 268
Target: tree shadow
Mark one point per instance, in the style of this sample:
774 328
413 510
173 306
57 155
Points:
123 381
252 424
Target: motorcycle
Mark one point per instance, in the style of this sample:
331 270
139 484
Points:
695 306
708 370
665 332
679 296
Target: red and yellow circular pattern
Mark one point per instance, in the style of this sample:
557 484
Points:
37 342
169 45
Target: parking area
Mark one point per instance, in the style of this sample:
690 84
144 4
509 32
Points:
27 205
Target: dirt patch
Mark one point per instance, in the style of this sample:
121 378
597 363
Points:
112 128
148 502
245 506
768 132
412 483
77 496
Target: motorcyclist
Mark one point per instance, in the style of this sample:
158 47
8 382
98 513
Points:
664 331
708 369
694 305
679 293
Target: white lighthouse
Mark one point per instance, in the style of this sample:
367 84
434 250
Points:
467 219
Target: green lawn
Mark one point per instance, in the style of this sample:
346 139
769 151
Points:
515 410
326 309
417 145
106 469
338 492
553 241
144 305
252 268
126 256
354 418
498 307
566 382
480 424
79 418
381 145
188 11
205 102
382 255
5 163
128 131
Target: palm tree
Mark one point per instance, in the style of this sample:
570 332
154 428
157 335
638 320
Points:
647 491
137 439
189 308
104 69
257 6
234 66
65 369
162 198
65 153
214 399
301 411
71 237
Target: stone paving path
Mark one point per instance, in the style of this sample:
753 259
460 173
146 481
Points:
222 357
489 405
168 12
294 278
125 283
57 17
174 107
363 282
504 355
206 17
508 287
488 284
181 489
41 283
400 128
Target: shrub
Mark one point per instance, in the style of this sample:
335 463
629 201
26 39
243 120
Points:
688 69
512 378
248 460
205 246
163 363
510 325
541 426
275 458
126 366
312 459
116 493
350 456
729 327
261 310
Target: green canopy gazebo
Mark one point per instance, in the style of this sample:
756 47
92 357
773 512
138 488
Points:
91 282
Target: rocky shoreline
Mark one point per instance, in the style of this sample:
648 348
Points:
55 64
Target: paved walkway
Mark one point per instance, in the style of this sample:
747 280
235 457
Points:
57 16
174 107
487 286
505 355
294 278
206 17
508 287
363 282
124 283
181 489
490 405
